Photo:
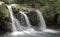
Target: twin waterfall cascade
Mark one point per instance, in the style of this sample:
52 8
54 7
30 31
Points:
18 29
16 26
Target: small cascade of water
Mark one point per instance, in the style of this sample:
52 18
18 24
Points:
12 18
41 20
15 23
43 25
26 18
29 28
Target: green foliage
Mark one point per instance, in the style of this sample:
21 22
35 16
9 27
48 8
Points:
42 2
19 1
9 1
58 6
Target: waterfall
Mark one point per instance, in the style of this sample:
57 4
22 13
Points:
26 18
12 18
19 30
15 23
43 25
29 28
41 20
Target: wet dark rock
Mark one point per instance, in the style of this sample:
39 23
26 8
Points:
4 27
1 16
52 22
33 18
56 17
33 5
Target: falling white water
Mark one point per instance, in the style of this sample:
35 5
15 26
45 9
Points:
26 18
41 19
50 31
12 18
15 22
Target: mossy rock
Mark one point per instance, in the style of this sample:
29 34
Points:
4 10
17 7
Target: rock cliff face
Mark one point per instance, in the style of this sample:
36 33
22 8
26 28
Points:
33 18
4 18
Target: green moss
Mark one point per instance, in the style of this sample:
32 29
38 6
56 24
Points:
4 11
16 8
9 1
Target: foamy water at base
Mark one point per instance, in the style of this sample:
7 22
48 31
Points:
33 33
